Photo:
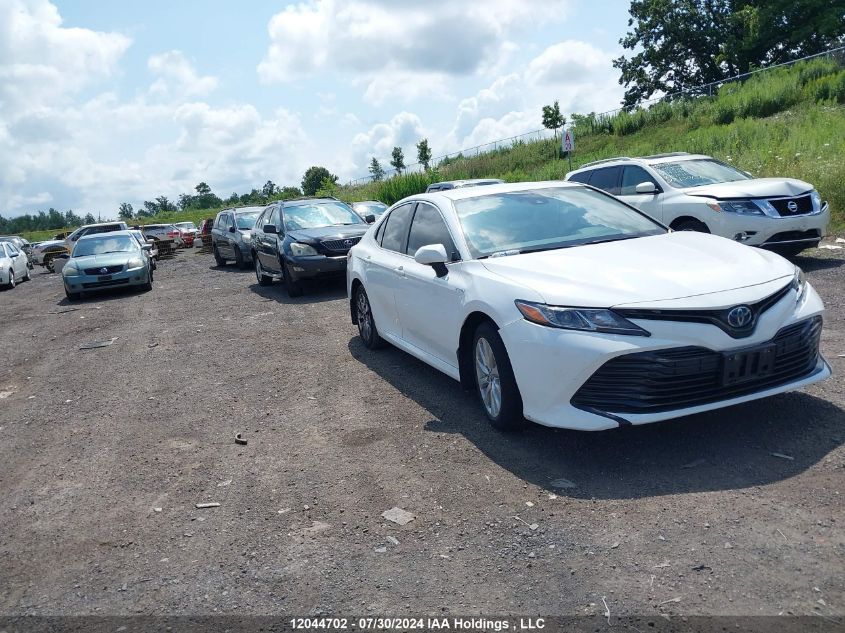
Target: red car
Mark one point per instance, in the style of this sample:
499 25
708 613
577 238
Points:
189 232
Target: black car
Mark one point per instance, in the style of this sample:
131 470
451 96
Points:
307 238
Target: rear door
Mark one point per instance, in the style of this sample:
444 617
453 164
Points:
386 269
650 203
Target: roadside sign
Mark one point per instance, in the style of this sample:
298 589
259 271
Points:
568 142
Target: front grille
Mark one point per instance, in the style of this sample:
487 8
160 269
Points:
104 284
340 246
110 270
663 380
800 205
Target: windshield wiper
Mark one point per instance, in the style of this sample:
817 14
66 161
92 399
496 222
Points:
608 239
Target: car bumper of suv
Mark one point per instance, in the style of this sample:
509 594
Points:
316 266
773 232
93 283
571 379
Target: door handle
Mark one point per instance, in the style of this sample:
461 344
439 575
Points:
401 271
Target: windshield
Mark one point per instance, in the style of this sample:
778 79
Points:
246 220
317 214
105 244
187 225
543 219
696 173
376 208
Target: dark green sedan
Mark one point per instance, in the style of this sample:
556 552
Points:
104 261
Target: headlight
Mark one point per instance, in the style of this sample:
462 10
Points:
586 319
799 284
135 262
245 235
816 197
70 270
302 250
746 207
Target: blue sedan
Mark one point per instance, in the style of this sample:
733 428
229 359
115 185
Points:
104 261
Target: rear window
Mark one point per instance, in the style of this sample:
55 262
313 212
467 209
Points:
583 177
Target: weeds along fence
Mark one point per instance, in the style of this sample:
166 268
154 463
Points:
821 77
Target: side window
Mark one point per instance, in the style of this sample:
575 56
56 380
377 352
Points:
230 220
428 227
218 221
380 232
606 179
584 177
3 252
396 231
276 218
260 222
13 251
631 177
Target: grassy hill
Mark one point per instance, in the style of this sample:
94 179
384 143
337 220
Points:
787 122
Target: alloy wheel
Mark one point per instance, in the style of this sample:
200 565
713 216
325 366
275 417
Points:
487 374
365 318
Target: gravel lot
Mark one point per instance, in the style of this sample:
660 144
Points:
105 453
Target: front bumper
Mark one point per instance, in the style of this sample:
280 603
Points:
316 266
93 283
551 365
771 232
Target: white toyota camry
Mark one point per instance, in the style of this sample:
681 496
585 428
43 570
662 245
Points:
560 304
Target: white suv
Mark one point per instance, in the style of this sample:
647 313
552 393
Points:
693 192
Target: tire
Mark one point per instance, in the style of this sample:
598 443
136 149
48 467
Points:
367 329
217 258
73 296
49 265
149 285
239 258
28 275
494 380
294 288
263 279
691 225
12 282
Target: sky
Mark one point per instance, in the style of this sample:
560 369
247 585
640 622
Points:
110 102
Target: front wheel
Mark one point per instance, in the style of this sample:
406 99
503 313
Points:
367 329
217 258
239 258
12 281
263 278
72 296
149 285
294 288
27 275
691 225
494 380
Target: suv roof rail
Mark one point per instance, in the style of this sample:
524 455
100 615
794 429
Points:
667 155
604 160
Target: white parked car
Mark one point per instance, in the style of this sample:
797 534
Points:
14 265
693 192
561 304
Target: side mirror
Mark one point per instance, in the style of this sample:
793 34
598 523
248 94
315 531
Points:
369 218
433 255
270 228
146 247
646 187
231 229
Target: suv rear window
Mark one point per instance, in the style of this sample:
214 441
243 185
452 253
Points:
583 177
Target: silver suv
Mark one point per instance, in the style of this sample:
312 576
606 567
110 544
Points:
231 235
693 192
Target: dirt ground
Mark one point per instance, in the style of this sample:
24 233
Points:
105 452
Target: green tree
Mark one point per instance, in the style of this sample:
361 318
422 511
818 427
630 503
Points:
269 189
376 170
424 154
286 193
125 212
681 44
398 160
89 219
552 117
205 199
164 205
313 179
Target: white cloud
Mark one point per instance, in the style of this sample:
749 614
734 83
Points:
177 76
568 62
401 50
404 130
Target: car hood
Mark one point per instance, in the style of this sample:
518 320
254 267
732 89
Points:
313 236
48 243
756 188
106 259
694 270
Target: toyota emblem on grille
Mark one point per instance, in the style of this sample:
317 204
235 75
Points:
347 242
792 206
104 271
740 317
